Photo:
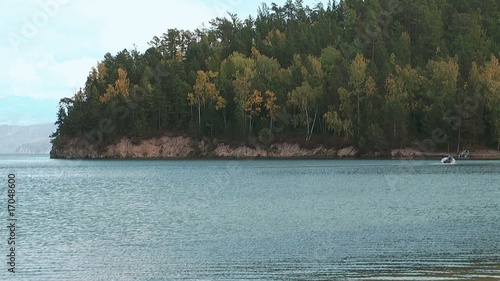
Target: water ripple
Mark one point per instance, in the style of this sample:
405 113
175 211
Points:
257 220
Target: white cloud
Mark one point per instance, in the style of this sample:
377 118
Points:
46 78
56 59
22 71
58 44
72 73
122 24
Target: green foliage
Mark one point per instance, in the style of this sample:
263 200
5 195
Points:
377 73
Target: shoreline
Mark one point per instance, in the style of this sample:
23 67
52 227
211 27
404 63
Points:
182 147
275 159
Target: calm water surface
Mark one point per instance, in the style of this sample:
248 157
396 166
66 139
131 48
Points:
253 219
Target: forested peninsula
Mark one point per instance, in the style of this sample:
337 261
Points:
347 78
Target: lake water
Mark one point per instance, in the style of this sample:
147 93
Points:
252 219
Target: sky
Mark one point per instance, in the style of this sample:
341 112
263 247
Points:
47 47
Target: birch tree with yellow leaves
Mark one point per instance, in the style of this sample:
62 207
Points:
204 93
120 88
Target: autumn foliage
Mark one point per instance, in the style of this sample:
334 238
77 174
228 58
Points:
378 74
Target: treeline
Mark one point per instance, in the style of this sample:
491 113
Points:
375 73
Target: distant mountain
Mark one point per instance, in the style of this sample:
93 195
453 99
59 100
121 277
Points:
32 139
37 147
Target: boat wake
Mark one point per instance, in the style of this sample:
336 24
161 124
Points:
448 160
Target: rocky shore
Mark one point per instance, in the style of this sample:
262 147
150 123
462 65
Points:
174 147
186 147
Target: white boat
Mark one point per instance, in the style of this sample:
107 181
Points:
448 160
464 154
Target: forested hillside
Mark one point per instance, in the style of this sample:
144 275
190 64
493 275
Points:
377 74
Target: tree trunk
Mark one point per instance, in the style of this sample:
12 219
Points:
199 116
359 117
159 119
307 124
395 132
250 126
312 127
225 119
373 49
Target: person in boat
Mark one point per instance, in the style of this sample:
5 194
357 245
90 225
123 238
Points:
450 158
464 154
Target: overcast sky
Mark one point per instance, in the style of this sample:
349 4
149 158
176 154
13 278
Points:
47 47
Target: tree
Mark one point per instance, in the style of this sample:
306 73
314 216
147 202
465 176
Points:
397 106
351 99
246 96
252 107
204 91
335 123
60 122
120 87
312 63
491 81
468 40
275 45
305 98
332 63
271 107
441 94
474 104
172 44
426 30
270 78
307 95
